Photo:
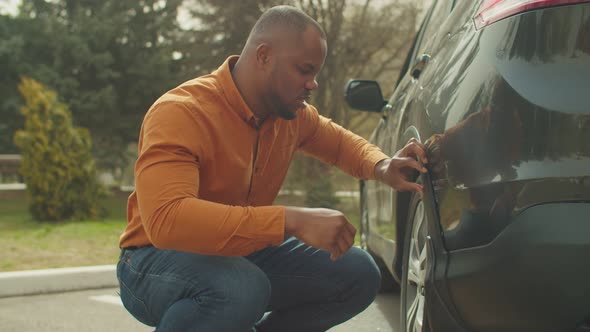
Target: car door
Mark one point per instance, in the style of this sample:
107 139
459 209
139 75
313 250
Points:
393 132
380 196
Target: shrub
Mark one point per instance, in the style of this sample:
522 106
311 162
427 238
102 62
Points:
57 164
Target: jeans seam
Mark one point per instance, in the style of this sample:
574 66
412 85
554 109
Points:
136 298
165 277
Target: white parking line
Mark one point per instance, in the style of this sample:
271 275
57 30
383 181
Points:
112 299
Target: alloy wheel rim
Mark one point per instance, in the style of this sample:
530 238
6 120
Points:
417 263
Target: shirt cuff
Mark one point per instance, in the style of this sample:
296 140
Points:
370 162
271 221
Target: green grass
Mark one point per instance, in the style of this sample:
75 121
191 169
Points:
27 244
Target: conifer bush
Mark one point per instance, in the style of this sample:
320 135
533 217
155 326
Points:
57 165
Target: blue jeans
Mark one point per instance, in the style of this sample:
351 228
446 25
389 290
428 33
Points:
299 285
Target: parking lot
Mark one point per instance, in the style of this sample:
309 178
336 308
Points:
101 310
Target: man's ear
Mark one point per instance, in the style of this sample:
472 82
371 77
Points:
263 55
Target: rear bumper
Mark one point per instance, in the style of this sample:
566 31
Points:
534 276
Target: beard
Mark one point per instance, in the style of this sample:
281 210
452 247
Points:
282 109
285 113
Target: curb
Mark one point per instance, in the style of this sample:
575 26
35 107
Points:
35 282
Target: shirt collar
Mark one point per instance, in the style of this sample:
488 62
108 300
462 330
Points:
231 92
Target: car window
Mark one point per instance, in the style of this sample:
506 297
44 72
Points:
409 59
438 13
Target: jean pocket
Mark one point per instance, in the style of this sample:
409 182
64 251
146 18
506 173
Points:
136 306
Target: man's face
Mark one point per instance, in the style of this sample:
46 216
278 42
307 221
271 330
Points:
293 74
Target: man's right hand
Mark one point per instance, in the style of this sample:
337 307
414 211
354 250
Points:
320 228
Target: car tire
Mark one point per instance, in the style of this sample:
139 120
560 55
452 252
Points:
388 282
415 264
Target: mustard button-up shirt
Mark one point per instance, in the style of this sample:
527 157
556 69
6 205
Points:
206 175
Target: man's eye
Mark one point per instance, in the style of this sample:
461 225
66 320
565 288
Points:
304 71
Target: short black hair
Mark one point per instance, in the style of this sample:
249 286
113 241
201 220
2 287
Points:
286 16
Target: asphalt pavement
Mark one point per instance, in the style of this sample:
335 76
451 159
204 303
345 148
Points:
101 310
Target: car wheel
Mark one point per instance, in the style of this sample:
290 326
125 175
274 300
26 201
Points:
388 282
415 265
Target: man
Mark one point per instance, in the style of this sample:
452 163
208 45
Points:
204 249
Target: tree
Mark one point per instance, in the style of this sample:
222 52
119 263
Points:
57 165
11 46
108 60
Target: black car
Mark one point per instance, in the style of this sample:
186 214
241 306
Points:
499 93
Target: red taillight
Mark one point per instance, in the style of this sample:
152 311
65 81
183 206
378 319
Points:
491 11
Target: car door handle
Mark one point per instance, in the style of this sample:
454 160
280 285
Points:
421 63
386 110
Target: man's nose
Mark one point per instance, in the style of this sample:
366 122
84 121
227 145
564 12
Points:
311 85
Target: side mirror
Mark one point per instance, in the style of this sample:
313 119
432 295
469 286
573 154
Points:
364 95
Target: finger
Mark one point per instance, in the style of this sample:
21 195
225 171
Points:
348 239
345 241
410 186
351 230
414 149
335 251
409 162
334 255
416 188
433 148
343 246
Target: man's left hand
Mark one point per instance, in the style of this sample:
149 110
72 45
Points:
396 171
